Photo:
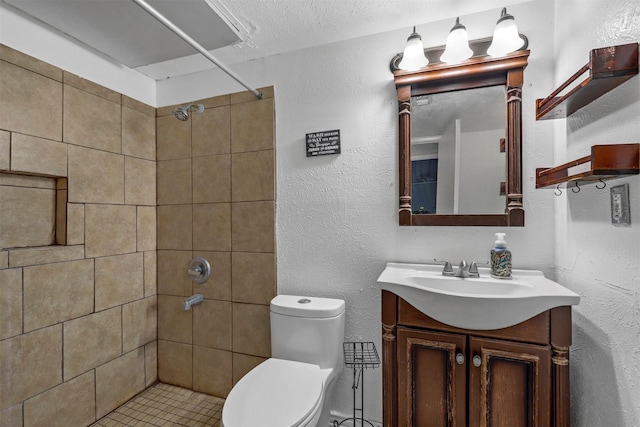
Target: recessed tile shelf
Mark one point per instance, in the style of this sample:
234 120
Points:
606 162
608 67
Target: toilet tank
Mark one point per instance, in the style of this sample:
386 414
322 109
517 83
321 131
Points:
308 329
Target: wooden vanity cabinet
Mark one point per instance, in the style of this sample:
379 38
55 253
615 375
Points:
439 375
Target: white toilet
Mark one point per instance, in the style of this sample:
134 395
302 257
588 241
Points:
289 389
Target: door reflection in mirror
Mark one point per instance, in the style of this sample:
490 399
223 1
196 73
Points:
456 162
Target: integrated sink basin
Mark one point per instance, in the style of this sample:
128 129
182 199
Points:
482 303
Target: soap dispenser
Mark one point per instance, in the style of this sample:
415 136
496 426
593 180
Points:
500 258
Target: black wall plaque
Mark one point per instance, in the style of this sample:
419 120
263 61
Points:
323 143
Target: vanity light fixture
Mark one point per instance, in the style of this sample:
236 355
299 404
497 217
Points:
506 39
413 57
457 49
505 36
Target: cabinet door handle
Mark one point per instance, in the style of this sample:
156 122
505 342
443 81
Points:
460 358
477 361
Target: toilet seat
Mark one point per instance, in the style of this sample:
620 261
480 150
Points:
276 393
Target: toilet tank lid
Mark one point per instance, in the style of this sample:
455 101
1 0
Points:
301 306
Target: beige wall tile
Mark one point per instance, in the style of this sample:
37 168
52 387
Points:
119 280
150 273
253 277
151 363
5 150
172 273
45 255
212 324
140 181
246 96
219 284
95 176
109 230
118 381
252 126
30 364
174 323
253 225
91 87
140 107
175 363
212 371
138 134
91 341
211 132
61 215
212 227
251 330
18 180
173 138
4 259
242 364
10 303
68 404
75 224
212 179
12 416
253 176
19 203
216 101
57 292
38 155
174 182
175 227
91 120
146 228
30 63
30 103
139 323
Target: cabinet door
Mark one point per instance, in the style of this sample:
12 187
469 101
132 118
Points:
509 384
431 378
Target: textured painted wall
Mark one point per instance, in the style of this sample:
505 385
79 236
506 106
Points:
337 221
599 261
337 215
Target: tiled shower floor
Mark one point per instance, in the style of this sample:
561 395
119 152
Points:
166 405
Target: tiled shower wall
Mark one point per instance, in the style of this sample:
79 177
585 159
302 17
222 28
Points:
216 199
78 319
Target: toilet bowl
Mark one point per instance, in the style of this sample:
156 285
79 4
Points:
289 389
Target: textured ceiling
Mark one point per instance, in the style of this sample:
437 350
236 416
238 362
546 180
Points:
264 27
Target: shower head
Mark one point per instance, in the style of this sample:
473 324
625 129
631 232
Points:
182 113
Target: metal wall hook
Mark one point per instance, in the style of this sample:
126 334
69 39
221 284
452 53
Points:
557 191
604 184
576 189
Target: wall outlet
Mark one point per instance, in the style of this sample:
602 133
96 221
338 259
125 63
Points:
336 418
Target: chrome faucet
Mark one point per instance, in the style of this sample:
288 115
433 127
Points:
192 300
464 270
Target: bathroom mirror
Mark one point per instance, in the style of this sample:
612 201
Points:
460 140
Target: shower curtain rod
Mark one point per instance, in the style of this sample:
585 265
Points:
184 36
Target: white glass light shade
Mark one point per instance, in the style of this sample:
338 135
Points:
457 49
506 38
413 57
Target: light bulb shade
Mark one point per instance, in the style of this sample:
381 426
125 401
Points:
457 49
506 38
413 57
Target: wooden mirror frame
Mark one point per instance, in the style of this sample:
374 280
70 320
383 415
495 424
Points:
476 72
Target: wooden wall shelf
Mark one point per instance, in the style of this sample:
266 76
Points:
608 67
607 162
